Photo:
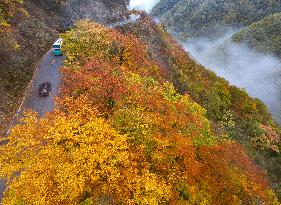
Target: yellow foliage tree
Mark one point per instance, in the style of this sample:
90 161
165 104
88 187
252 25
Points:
69 159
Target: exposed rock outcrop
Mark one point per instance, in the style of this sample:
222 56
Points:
102 11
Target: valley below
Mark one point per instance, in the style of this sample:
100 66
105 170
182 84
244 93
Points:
259 74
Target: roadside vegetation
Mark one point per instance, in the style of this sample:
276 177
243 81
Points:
122 132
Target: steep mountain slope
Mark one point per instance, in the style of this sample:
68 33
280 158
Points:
212 17
263 35
28 29
122 133
232 112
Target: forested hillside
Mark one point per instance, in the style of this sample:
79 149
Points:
232 112
137 120
27 30
212 17
122 133
263 35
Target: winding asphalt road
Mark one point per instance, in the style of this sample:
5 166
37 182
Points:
48 71
132 18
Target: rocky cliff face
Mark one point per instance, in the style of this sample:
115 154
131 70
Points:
102 11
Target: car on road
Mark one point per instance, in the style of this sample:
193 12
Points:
57 47
44 89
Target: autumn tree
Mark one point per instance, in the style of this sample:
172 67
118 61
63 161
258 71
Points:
68 159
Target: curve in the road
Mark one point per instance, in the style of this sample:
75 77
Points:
132 18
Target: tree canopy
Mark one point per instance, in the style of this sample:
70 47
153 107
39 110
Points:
121 132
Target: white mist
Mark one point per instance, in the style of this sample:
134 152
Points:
259 74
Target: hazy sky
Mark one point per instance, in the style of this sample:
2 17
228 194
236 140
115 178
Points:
143 4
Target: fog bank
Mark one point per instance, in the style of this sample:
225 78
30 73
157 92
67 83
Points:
242 66
146 5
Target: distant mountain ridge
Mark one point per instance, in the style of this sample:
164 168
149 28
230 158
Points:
211 17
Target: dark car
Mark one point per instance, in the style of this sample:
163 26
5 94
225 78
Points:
44 89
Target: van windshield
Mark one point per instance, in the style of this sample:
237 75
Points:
56 46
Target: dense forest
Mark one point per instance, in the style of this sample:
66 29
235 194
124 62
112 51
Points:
137 120
122 133
209 19
231 110
263 35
